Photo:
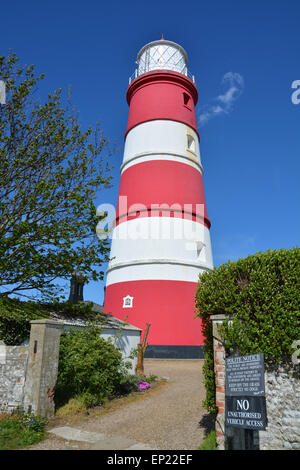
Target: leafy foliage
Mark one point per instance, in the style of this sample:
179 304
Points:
20 430
209 442
208 371
49 174
89 366
260 297
15 316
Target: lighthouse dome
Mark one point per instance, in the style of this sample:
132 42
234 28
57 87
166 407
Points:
162 55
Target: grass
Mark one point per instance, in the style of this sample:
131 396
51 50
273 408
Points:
209 442
73 407
20 430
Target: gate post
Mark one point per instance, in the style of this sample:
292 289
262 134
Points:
219 369
42 367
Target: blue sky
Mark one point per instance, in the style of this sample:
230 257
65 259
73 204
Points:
244 55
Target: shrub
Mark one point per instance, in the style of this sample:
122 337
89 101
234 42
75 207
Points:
260 297
130 384
89 367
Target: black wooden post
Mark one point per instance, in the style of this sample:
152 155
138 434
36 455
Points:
249 439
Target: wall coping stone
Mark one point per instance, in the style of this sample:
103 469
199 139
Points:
45 321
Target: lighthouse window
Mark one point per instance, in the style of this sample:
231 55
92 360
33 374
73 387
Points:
186 99
191 143
127 301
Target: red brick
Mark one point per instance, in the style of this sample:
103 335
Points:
220 403
220 396
218 361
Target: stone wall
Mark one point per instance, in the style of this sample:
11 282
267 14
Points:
282 391
282 387
13 363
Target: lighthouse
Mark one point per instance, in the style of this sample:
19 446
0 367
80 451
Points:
161 239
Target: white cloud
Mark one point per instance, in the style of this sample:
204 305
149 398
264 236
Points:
233 83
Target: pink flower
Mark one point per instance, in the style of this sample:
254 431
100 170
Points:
143 385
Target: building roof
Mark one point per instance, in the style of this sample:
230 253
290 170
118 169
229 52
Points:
107 321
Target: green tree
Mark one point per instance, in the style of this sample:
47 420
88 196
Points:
50 171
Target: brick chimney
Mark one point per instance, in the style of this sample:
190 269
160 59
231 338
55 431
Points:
76 288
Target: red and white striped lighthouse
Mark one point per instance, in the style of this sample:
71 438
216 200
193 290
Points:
161 239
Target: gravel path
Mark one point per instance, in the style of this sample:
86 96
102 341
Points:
168 419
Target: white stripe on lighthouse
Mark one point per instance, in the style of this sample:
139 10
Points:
160 270
162 140
159 248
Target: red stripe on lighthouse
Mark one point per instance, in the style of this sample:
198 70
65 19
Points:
162 95
167 305
158 183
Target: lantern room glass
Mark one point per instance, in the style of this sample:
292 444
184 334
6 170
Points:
161 55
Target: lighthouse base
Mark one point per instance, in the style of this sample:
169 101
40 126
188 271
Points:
169 307
174 352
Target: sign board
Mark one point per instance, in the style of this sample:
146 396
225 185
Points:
245 405
246 412
245 375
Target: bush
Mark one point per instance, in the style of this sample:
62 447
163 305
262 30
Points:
260 297
89 367
129 385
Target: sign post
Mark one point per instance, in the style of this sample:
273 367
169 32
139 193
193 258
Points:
245 404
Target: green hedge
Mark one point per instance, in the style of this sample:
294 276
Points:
260 297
